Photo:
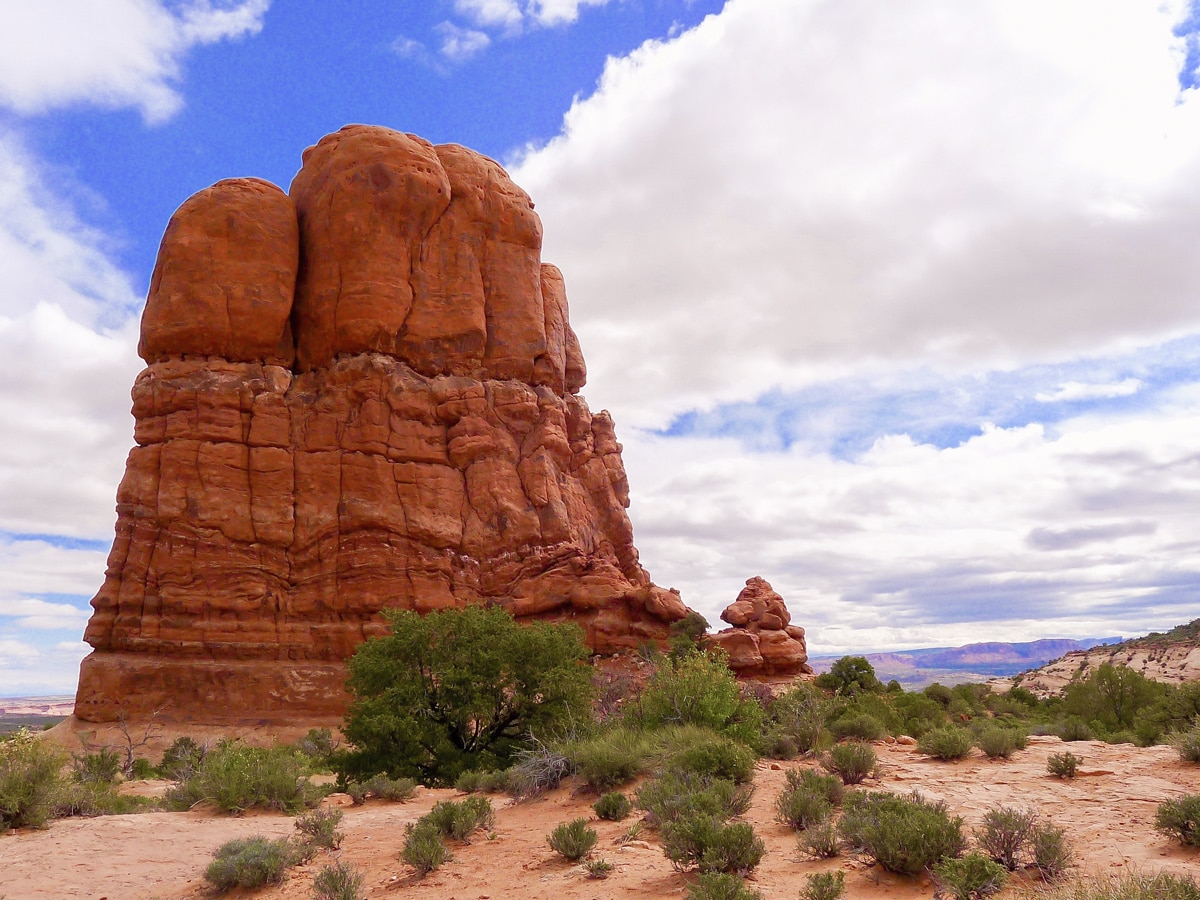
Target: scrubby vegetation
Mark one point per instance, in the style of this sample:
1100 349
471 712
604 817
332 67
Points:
251 862
904 834
236 777
573 840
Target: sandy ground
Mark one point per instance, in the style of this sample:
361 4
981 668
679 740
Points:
1108 812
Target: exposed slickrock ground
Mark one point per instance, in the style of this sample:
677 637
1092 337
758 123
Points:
1108 812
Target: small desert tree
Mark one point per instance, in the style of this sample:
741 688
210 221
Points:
457 690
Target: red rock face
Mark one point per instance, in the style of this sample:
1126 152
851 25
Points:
359 395
762 643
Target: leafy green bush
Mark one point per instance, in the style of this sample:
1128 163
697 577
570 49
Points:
850 676
460 820
823 886
719 886
95 798
573 840
613 807
101 767
31 780
707 843
853 761
1052 852
598 868
674 794
1187 743
610 759
1111 696
396 790
704 752
820 841
918 713
1073 728
1127 886
698 689
799 809
251 862
862 726
797 721
320 828
1005 833
142 769
827 786
1063 765
1000 743
1180 818
970 877
423 847
946 742
340 881
905 835
468 782
182 759
318 745
459 689
236 777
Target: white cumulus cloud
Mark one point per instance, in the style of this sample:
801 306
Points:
111 53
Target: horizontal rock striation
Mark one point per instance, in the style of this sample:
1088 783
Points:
359 395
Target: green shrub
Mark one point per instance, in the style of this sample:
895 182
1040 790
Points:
827 786
395 790
853 761
468 782
849 677
610 759
101 767
698 689
861 726
340 881
1180 818
598 868
1063 765
251 862
31 780
970 877
673 794
142 769
1127 886
320 828
946 742
459 689
1187 743
800 809
236 777
719 886
797 721
95 798
423 847
707 843
182 759
706 753
1000 743
1005 834
572 840
613 807
905 835
820 841
318 745
1051 851
460 820
918 713
823 886
1074 728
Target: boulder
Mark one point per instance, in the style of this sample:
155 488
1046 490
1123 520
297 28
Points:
762 643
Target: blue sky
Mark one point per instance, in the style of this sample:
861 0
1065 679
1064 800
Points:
898 308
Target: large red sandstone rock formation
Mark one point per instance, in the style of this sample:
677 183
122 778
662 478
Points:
361 394
762 643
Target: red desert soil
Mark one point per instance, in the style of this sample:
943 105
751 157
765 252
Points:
1108 812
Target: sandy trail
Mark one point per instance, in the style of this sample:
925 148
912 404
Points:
1108 812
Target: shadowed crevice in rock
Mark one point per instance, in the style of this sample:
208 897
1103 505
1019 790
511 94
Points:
361 394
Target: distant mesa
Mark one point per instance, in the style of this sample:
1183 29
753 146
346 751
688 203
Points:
762 643
360 394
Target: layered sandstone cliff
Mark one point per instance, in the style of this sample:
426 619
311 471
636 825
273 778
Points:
361 394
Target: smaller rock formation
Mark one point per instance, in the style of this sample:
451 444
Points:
762 643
